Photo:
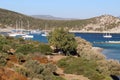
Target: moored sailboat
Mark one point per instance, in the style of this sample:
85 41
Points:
107 35
28 35
45 33
17 32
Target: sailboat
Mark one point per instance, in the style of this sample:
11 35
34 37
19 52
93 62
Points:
16 32
13 34
45 33
107 35
28 35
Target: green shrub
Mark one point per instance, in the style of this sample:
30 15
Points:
25 49
84 50
20 57
81 66
114 67
58 78
24 72
23 46
44 49
6 48
3 57
2 61
44 71
52 77
34 66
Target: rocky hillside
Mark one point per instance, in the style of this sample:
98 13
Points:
100 23
103 23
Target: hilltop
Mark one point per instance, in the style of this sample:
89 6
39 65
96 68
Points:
49 17
8 19
104 23
101 23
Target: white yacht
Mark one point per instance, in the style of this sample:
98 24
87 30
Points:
44 34
12 34
27 36
107 36
35 32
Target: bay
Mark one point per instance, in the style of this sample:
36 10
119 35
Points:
111 51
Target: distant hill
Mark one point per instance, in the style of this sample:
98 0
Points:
8 18
101 23
49 17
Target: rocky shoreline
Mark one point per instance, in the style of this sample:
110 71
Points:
98 49
80 31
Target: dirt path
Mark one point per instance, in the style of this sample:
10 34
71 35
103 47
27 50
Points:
61 71
55 58
70 76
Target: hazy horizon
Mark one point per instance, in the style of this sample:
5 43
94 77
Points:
64 8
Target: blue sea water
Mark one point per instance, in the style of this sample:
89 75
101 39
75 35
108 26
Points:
112 51
38 37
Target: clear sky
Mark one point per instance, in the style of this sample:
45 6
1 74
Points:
64 8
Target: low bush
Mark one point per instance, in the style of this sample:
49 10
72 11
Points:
3 58
44 49
53 78
40 71
23 46
34 66
81 66
25 49
23 71
84 50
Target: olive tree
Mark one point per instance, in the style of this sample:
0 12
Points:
63 41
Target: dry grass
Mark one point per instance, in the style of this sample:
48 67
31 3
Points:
8 74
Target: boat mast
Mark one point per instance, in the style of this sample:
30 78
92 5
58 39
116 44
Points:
16 27
28 25
21 26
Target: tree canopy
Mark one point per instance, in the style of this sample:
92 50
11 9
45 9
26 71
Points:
63 41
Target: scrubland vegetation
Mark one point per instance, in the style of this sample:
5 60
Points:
23 53
29 58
